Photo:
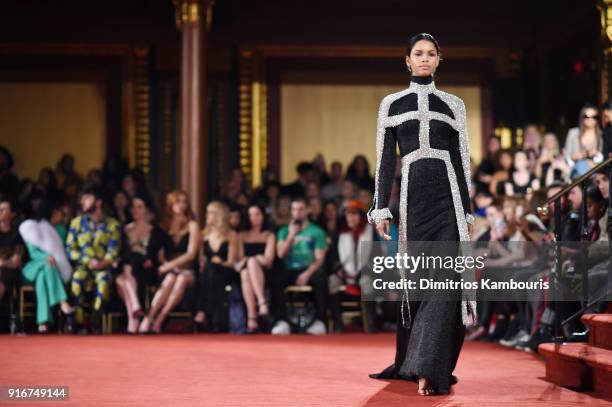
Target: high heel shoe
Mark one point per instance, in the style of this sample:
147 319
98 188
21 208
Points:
265 321
69 322
252 330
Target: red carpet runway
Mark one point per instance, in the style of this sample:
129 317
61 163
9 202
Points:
225 370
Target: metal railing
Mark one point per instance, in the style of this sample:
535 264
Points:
544 211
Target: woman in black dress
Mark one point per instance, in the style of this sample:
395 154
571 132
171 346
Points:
177 271
143 244
256 247
219 252
430 127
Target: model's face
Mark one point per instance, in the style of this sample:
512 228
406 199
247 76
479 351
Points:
423 59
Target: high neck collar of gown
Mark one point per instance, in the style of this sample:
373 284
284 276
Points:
416 81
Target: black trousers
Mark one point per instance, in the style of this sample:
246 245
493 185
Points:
286 277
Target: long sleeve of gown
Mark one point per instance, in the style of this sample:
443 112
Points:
460 156
385 167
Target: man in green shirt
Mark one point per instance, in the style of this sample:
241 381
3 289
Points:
302 246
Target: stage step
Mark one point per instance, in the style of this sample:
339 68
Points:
579 366
600 333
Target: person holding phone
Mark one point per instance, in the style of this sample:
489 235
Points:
302 246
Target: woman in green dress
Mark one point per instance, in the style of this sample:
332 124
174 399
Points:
48 270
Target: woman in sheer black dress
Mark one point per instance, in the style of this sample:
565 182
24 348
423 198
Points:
143 243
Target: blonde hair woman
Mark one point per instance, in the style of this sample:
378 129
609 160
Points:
177 271
219 253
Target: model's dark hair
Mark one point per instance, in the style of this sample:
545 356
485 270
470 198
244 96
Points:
423 36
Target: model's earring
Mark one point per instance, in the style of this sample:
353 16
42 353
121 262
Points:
409 68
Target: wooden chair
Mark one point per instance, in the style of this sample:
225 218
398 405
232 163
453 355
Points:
350 308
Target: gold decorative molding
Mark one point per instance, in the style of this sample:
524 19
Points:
189 12
142 109
253 116
605 12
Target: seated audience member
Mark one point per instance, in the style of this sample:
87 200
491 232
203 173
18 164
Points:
220 248
302 246
48 268
584 143
11 247
93 246
521 181
347 259
503 168
177 271
143 251
256 247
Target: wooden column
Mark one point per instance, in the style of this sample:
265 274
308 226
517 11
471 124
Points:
193 138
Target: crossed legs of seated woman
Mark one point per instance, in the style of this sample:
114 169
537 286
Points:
127 288
167 296
252 283
42 272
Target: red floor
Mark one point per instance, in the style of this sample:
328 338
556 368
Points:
225 370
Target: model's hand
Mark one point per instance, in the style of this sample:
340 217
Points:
470 230
383 229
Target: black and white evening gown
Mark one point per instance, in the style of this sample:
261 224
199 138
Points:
430 128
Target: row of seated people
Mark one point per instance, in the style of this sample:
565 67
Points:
99 257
